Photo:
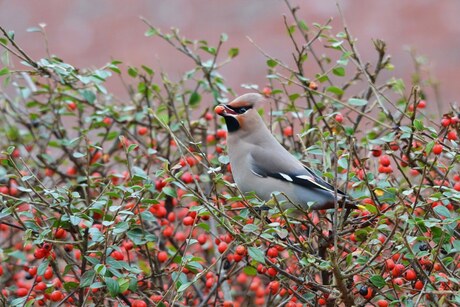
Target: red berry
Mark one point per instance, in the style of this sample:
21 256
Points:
418 285
168 231
452 135
228 304
49 172
384 160
128 245
389 264
22 292
71 106
139 303
188 221
142 130
221 134
421 104
288 131
60 234
397 270
41 286
267 91
274 286
446 121
410 275
202 238
339 118
437 149
240 250
56 296
376 152
272 272
4 190
107 120
222 247
313 86
208 116
272 252
187 177
162 256
210 282
71 171
33 271
382 303
117 255
40 253
457 186
48 273
398 281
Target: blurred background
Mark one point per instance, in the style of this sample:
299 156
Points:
88 33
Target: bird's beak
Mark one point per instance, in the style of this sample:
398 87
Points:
223 110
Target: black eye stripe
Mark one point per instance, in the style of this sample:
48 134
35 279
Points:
240 110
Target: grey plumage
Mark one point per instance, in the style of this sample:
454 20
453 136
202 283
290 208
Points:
261 164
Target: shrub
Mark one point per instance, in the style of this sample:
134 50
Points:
109 202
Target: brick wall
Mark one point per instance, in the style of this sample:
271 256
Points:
90 33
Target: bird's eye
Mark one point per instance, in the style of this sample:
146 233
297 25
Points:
242 110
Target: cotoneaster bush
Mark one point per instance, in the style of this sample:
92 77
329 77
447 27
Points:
105 202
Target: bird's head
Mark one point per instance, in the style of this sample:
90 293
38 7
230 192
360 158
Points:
240 113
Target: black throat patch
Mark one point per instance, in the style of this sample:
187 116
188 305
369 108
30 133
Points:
232 123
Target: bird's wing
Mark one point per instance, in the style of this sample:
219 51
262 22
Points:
285 167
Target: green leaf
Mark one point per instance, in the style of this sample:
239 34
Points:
70 285
256 254
378 281
250 228
113 286
89 96
184 286
335 90
418 124
271 63
194 100
151 32
456 245
233 52
442 210
338 71
79 155
75 220
42 267
357 102
121 227
303 25
4 71
224 159
132 71
170 192
87 278
132 147
124 284
223 37
250 271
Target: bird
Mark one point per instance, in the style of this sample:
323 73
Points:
260 164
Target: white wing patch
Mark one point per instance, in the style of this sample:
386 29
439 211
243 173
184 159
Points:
306 177
258 175
286 177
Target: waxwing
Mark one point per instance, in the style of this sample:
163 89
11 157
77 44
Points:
262 165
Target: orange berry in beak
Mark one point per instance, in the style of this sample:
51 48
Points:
219 110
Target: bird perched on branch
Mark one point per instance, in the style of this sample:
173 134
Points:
261 164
